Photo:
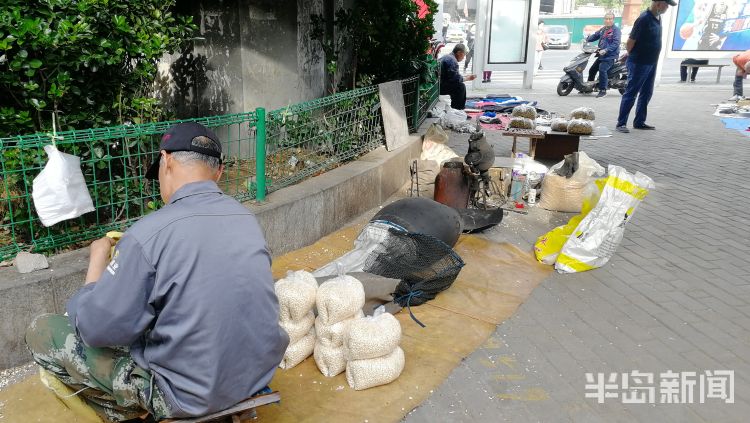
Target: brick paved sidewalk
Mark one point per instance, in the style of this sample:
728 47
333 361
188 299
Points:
676 296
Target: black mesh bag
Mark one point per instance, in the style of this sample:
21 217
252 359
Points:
424 264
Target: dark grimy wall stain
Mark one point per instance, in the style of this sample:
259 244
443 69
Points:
247 54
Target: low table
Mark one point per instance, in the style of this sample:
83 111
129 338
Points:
557 145
544 143
533 135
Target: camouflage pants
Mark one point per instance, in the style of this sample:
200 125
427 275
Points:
108 379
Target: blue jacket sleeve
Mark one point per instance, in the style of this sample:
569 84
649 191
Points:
614 46
595 36
115 310
449 70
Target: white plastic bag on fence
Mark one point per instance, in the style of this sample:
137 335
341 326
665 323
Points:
596 238
59 191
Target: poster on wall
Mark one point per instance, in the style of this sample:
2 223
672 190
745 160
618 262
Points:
509 23
712 26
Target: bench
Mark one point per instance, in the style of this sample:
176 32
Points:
718 74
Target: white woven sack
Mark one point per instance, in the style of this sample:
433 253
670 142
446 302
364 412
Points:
296 329
372 337
296 293
339 298
329 359
333 335
440 153
299 351
363 374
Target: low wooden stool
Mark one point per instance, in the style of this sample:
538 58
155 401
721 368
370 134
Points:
532 134
239 412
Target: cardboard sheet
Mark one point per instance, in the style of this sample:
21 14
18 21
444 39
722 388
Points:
497 278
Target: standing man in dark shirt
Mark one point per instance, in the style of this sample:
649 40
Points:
644 46
451 81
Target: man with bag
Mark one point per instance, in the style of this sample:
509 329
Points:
183 320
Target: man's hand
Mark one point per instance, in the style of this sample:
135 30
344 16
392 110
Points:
470 78
98 258
601 52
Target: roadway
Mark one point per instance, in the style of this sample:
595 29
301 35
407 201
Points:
553 62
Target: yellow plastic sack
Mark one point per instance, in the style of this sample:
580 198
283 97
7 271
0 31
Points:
595 240
548 246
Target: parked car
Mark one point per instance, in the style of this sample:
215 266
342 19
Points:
558 36
455 33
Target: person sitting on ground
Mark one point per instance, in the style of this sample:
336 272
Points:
608 50
741 61
451 81
183 321
694 72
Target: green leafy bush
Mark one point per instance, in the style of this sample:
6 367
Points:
387 39
91 62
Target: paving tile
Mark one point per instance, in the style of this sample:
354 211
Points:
676 295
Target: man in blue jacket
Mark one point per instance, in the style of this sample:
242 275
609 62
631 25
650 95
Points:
609 49
183 319
451 81
644 46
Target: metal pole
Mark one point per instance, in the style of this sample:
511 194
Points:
415 114
260 154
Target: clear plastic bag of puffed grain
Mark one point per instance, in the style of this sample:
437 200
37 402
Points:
582 113
521 123
524 110
339 298
559 125
580 127
298 351
363 374
372 337
296 329
297 294
329 359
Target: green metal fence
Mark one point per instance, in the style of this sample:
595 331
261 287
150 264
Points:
420 95
113 161
306 139
293 143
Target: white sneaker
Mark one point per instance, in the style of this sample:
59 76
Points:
736 98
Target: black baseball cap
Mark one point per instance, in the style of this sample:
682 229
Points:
180 137
669 2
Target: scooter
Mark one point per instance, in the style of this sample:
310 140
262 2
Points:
617 75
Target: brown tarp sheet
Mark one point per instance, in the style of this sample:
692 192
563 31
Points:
497 278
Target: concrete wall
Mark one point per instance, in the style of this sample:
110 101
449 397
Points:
246 54
291 218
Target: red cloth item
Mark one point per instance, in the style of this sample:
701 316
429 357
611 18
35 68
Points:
422 9
741 59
